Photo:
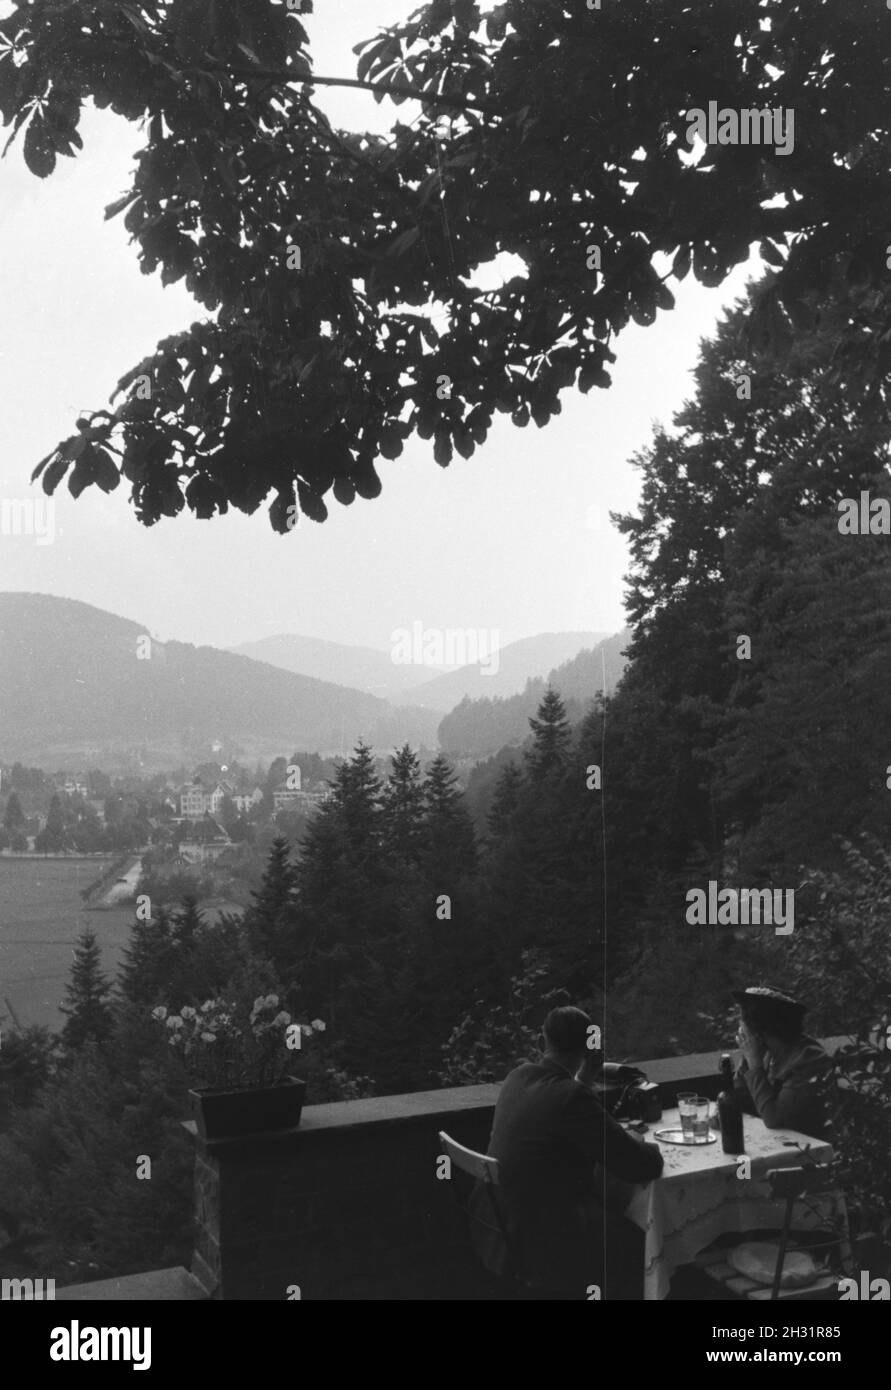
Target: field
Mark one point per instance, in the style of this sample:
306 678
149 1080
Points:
41 914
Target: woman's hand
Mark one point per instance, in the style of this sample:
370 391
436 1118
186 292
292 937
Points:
751 1047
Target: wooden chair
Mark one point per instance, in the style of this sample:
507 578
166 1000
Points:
790 1185
488 1230
495 1247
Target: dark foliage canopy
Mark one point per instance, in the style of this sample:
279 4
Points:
335 268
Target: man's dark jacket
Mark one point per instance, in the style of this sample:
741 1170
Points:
555 1144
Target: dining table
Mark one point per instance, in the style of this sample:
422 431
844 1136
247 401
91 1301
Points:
704 1193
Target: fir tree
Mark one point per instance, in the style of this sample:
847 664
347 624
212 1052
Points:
550 738
13 816
441 795
402 806
505 800
449 826
266 918
55 821
357 791
345 910
52 837
187 924
86 1008
147 961
187 928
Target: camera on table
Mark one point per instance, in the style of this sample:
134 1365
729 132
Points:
626 1094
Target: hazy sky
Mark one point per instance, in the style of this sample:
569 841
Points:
508 540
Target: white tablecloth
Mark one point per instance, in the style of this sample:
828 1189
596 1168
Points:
700 1197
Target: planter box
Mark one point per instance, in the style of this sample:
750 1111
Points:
228 1114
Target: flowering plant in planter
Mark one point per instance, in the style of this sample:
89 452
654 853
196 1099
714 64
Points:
222 1049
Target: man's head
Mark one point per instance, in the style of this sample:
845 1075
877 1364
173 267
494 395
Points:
566 1036
769 1013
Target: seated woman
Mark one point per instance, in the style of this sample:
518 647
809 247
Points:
783 1073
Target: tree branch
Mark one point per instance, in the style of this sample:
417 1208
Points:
388 88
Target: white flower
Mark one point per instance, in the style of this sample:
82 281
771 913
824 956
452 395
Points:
281 1020
318 1025
208 1037
208 1005
160 1013
174 1021
188 1012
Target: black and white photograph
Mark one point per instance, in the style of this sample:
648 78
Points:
445 670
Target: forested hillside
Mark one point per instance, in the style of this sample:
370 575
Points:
478 728
75 679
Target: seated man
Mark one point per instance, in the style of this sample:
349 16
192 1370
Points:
553 1141
782 1074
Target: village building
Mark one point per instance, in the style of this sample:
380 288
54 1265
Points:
285 798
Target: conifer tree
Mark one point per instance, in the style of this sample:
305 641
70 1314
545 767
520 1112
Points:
147 961
13 816
346 923
357 797
86 1007
187 924
52 837
551 738
449 826
505 800
266 918
185 976
402 806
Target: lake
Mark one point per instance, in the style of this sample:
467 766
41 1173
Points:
41 915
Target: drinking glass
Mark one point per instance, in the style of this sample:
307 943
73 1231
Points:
687 1111
700 1119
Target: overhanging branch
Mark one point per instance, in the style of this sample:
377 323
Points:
388 88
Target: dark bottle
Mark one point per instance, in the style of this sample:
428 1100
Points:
730 1115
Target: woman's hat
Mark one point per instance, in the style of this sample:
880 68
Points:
769 1005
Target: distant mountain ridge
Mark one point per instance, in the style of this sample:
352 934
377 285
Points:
499 670
516 663
480 728
360 668
72 680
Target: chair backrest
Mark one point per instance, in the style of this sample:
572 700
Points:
792 1182
469 1161
489 1236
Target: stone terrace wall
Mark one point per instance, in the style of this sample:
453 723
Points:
348 1205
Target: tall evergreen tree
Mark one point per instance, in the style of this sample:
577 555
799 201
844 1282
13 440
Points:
187 924
53 836
551 738
530 865
13 816
266 920
402 806
344 910
357 797
187 929
27 1063
85 1006
450 831
505 800
144 975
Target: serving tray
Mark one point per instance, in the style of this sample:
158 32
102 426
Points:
676 1136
